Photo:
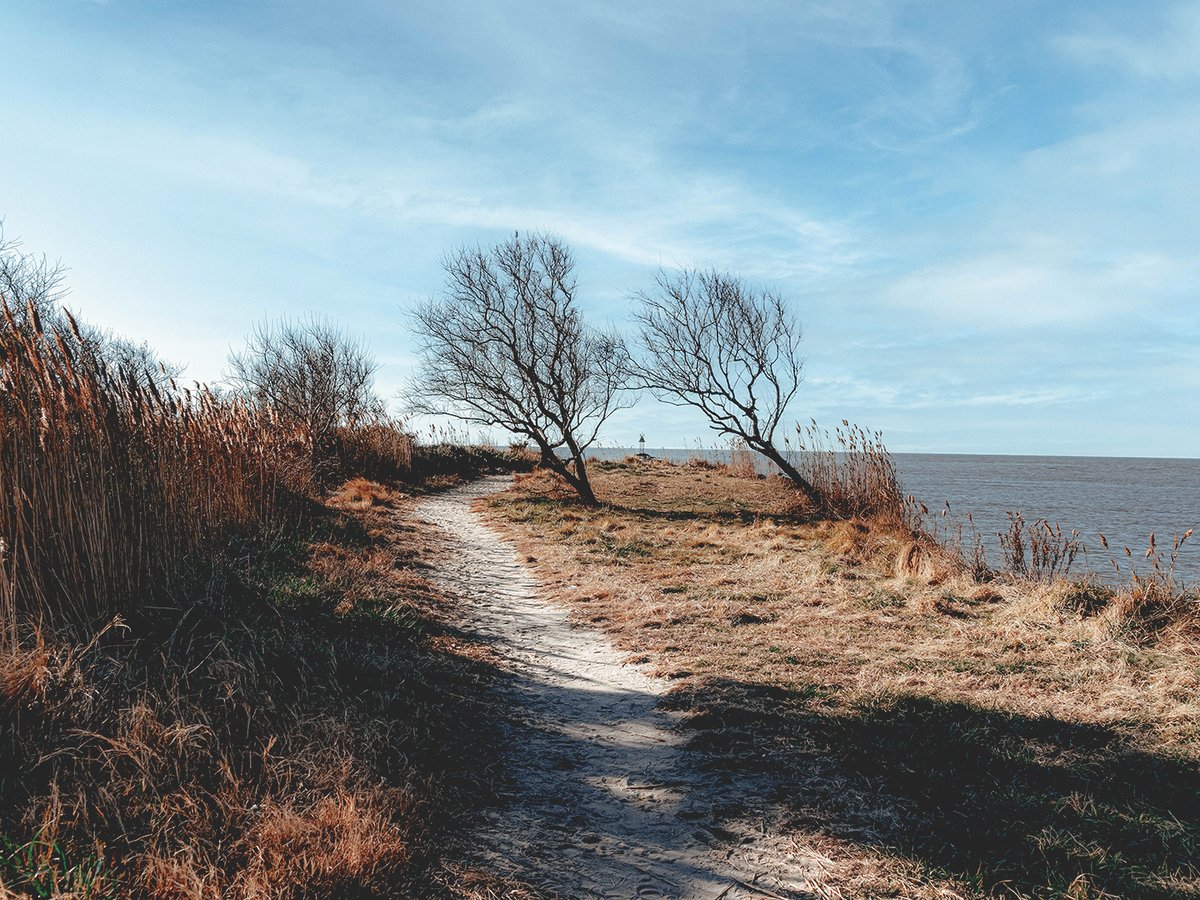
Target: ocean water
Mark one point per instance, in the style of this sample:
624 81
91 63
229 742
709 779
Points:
1125 499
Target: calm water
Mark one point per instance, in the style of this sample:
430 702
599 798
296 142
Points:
1126 499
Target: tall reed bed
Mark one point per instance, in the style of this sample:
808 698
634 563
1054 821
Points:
243 755
853 473
114 489
379 448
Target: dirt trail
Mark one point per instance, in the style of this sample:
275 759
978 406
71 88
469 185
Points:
606 802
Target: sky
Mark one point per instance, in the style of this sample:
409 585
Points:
987 215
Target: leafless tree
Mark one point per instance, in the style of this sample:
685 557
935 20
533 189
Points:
309 372
32 290
31 285
504 345
711 341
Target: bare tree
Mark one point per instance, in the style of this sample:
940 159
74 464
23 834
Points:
728 349
504 345
309 372
31 285
32 290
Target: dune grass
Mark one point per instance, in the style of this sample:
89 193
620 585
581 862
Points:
928 733
318 728
219 676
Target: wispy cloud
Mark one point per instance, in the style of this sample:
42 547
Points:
1042 284
832 392
1164 46
985 214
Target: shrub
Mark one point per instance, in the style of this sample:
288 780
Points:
853 475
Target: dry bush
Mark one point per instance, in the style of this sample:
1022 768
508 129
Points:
1041 551
363 493
853 475
311 375
1152 600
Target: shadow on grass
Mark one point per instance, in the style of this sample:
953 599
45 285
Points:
1007 802
271 695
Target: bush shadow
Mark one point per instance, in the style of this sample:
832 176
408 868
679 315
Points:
1034 805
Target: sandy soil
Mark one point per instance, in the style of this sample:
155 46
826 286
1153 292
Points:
606 800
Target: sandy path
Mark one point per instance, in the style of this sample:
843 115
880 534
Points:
606 802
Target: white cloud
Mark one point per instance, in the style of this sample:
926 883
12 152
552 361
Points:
841 392
1171 52
1032 286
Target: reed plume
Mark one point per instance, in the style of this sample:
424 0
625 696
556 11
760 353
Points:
853 474
114 489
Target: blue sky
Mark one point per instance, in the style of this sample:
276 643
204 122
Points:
988 215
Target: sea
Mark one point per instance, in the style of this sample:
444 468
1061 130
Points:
1124 499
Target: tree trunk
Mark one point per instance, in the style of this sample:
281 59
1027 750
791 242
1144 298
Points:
583 484
580 482
805 486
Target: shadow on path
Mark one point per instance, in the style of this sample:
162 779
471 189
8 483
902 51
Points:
606 801
622 790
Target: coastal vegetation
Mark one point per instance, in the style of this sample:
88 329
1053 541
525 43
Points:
222 671
226 669
927 729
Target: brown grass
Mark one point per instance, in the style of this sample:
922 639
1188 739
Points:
933 734
853 474
211 683
1041 551
116 493
362 493
322 744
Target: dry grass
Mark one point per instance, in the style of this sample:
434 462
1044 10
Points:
853 474
120 489
211 683
325 742
116 493
1041 551
931 733
379 448
361 493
